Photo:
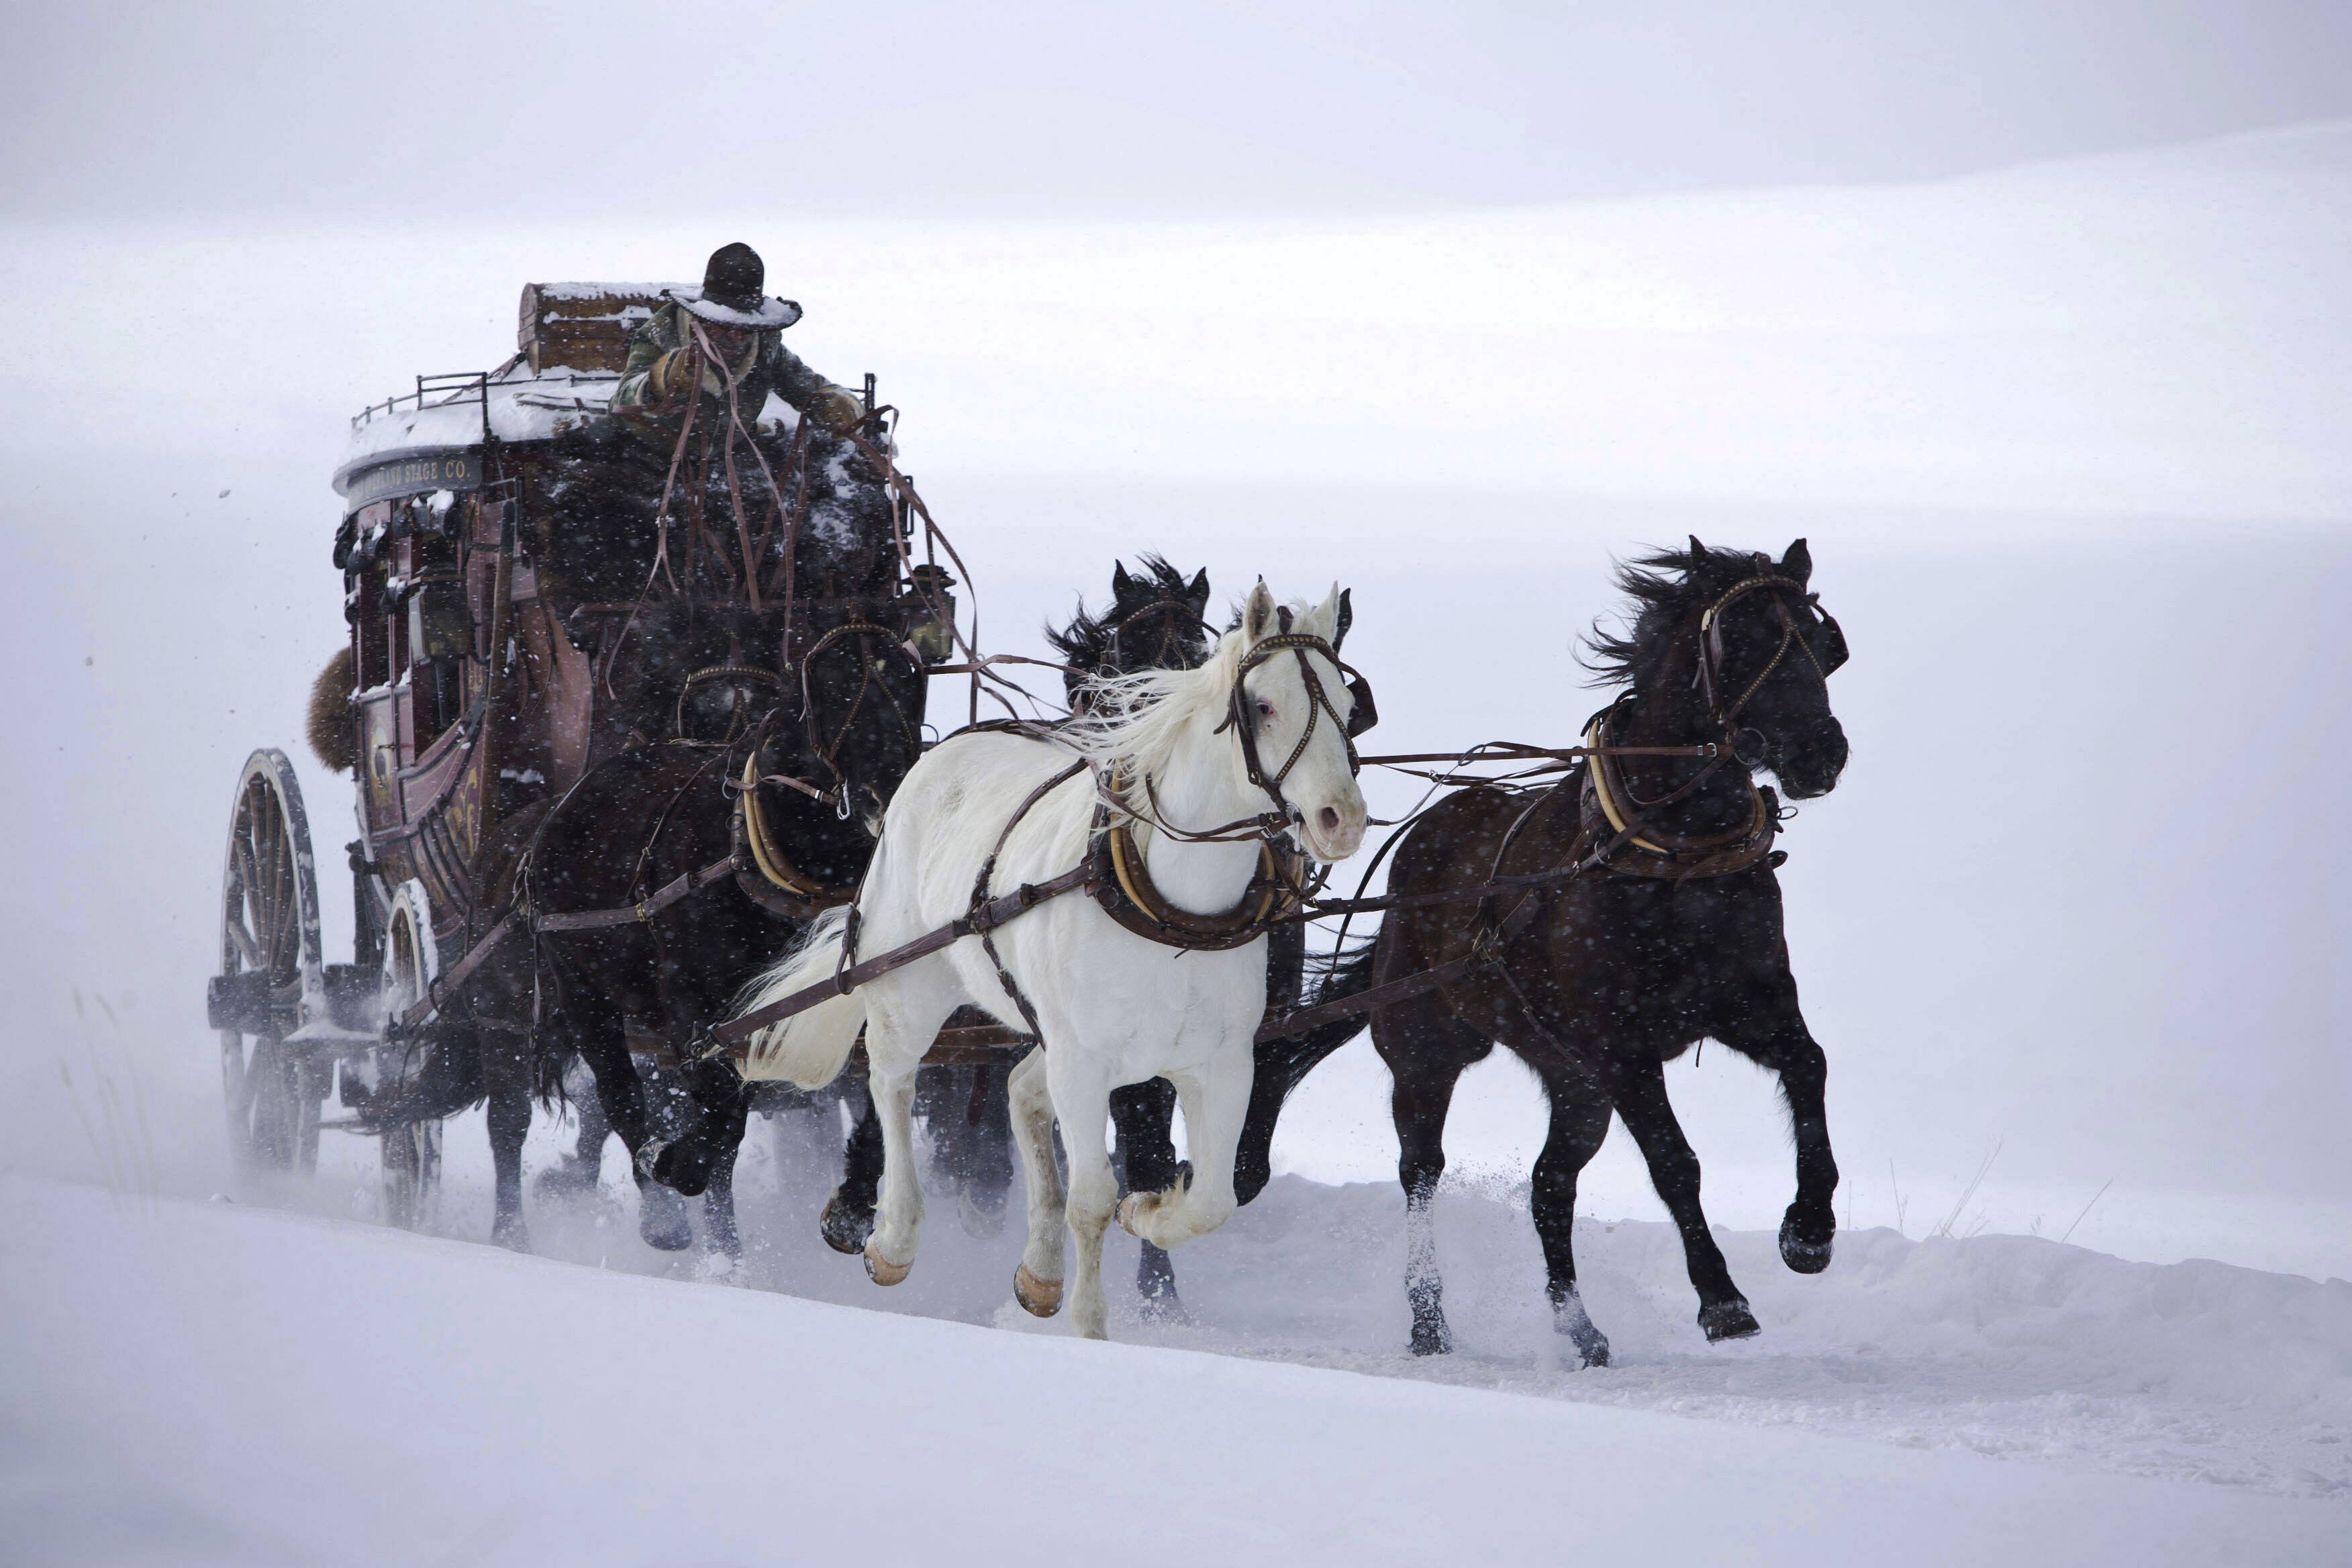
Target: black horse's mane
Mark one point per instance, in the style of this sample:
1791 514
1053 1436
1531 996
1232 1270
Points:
1666 587
1085 643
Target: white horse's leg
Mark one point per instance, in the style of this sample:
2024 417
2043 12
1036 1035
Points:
1216 1103
1082 1102
893 1052
1038 1283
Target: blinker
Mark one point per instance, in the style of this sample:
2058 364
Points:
1833 642
1366 712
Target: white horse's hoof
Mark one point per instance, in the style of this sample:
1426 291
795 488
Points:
1038 1297
1127 1207
881 1270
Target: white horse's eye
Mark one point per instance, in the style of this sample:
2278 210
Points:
1265 709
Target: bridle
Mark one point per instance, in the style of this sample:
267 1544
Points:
828 750
1361 717
1267 825
1824 660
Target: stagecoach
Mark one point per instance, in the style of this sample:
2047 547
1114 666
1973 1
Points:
476 690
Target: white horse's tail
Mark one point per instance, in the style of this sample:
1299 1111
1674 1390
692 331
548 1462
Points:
807 1049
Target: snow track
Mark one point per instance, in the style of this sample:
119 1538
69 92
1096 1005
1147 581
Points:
199 1383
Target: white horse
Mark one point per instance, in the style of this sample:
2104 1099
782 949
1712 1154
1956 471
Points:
1112 1007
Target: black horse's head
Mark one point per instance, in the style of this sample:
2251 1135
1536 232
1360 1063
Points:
1739 643
1154 622
860 720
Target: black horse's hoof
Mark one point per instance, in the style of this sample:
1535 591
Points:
1155 1283
1591 1345
981 1210
1250 1177
1728 1321
510 1232
1432 1338
684 1167
567 1177
845 1227
662 1221
1805 1249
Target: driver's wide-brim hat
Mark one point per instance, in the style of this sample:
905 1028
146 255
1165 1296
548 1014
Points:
732 293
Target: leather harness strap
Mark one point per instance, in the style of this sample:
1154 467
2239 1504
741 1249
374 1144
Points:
980 902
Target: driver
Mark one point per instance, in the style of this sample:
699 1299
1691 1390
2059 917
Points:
745 330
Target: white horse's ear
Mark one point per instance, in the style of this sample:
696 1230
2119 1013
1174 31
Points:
1324 619
1257 615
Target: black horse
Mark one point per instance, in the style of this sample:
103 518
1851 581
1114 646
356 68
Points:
1673 935
1156 620
763 679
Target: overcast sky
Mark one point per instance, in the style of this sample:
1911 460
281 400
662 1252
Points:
628 111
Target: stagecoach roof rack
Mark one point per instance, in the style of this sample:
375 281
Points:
448 418
455 386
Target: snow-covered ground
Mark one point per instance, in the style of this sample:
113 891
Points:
192 1384
2073 447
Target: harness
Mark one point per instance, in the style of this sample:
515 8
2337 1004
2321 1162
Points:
1612 822
1113 871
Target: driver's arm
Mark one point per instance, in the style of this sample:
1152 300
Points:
834 407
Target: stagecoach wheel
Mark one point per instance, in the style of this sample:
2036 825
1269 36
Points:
270 979
411 1147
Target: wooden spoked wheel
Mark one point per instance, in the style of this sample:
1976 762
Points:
269 977
412 1147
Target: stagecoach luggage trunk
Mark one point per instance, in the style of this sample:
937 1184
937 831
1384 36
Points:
583 326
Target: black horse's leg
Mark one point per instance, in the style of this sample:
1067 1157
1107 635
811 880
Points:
848 1218
592 1027
986 1161
506 1077
1286 967
722 1104
1280 1063
1580 1120
1145 1115
1778 1039
707 1103
1639 1082
579 1170
720 1238
1426 1059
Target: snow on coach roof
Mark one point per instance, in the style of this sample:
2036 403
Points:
571 339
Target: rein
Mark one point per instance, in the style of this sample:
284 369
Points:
1113 872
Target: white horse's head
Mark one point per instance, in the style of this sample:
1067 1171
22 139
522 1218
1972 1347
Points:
1297 706
1266 718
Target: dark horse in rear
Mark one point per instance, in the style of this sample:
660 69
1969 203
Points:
772 701
1650 918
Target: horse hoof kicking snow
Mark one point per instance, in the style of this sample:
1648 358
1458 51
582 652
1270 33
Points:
881 1270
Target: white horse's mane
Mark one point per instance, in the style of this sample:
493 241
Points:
1137 719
